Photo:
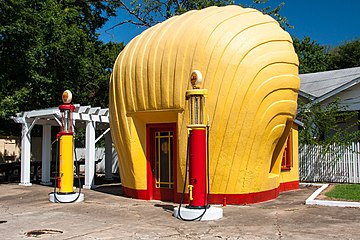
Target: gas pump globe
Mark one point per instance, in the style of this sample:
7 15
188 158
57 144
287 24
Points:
196 99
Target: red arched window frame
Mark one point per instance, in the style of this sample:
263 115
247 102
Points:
287 160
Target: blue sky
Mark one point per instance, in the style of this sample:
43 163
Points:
328 22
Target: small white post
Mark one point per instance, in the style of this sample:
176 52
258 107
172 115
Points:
108 156
46 155
89 155
25 154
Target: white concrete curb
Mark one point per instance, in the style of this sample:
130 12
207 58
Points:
311 200
212 213
66 198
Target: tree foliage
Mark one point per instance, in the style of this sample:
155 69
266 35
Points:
147 13
49 46
346 55
313 57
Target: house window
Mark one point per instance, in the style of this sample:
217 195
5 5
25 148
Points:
287 160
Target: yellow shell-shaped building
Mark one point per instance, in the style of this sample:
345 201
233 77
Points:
250 70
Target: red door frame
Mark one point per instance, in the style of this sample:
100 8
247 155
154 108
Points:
150 132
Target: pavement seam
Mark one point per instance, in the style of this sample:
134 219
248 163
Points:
92 232
6 209
277 224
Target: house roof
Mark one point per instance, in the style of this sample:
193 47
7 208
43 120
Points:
322 85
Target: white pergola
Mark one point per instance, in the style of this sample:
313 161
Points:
90 118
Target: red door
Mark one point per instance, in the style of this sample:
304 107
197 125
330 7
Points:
161 158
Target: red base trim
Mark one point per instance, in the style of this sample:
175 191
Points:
134 193
248 198
288 186
236 199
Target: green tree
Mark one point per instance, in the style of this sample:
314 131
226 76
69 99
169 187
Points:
313 57
147 13
49 46
327 124
346 55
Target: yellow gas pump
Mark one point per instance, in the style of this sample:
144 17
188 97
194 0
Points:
65 182
65 137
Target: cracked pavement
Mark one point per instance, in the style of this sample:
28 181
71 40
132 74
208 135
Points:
107 216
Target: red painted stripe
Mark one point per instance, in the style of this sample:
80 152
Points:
235 199
138 194
288 186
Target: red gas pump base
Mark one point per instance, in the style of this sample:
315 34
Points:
65 198
186 213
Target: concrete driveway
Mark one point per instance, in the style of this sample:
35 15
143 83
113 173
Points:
25 213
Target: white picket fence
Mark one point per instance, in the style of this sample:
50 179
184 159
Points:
334 164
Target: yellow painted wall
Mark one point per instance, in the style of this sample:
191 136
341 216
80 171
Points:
250 69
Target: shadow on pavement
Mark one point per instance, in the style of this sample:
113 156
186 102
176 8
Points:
166 207
112 187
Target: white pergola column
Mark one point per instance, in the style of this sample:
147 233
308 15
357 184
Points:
89 155
108 156
46 155
25 154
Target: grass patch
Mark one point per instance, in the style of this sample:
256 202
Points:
345 192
